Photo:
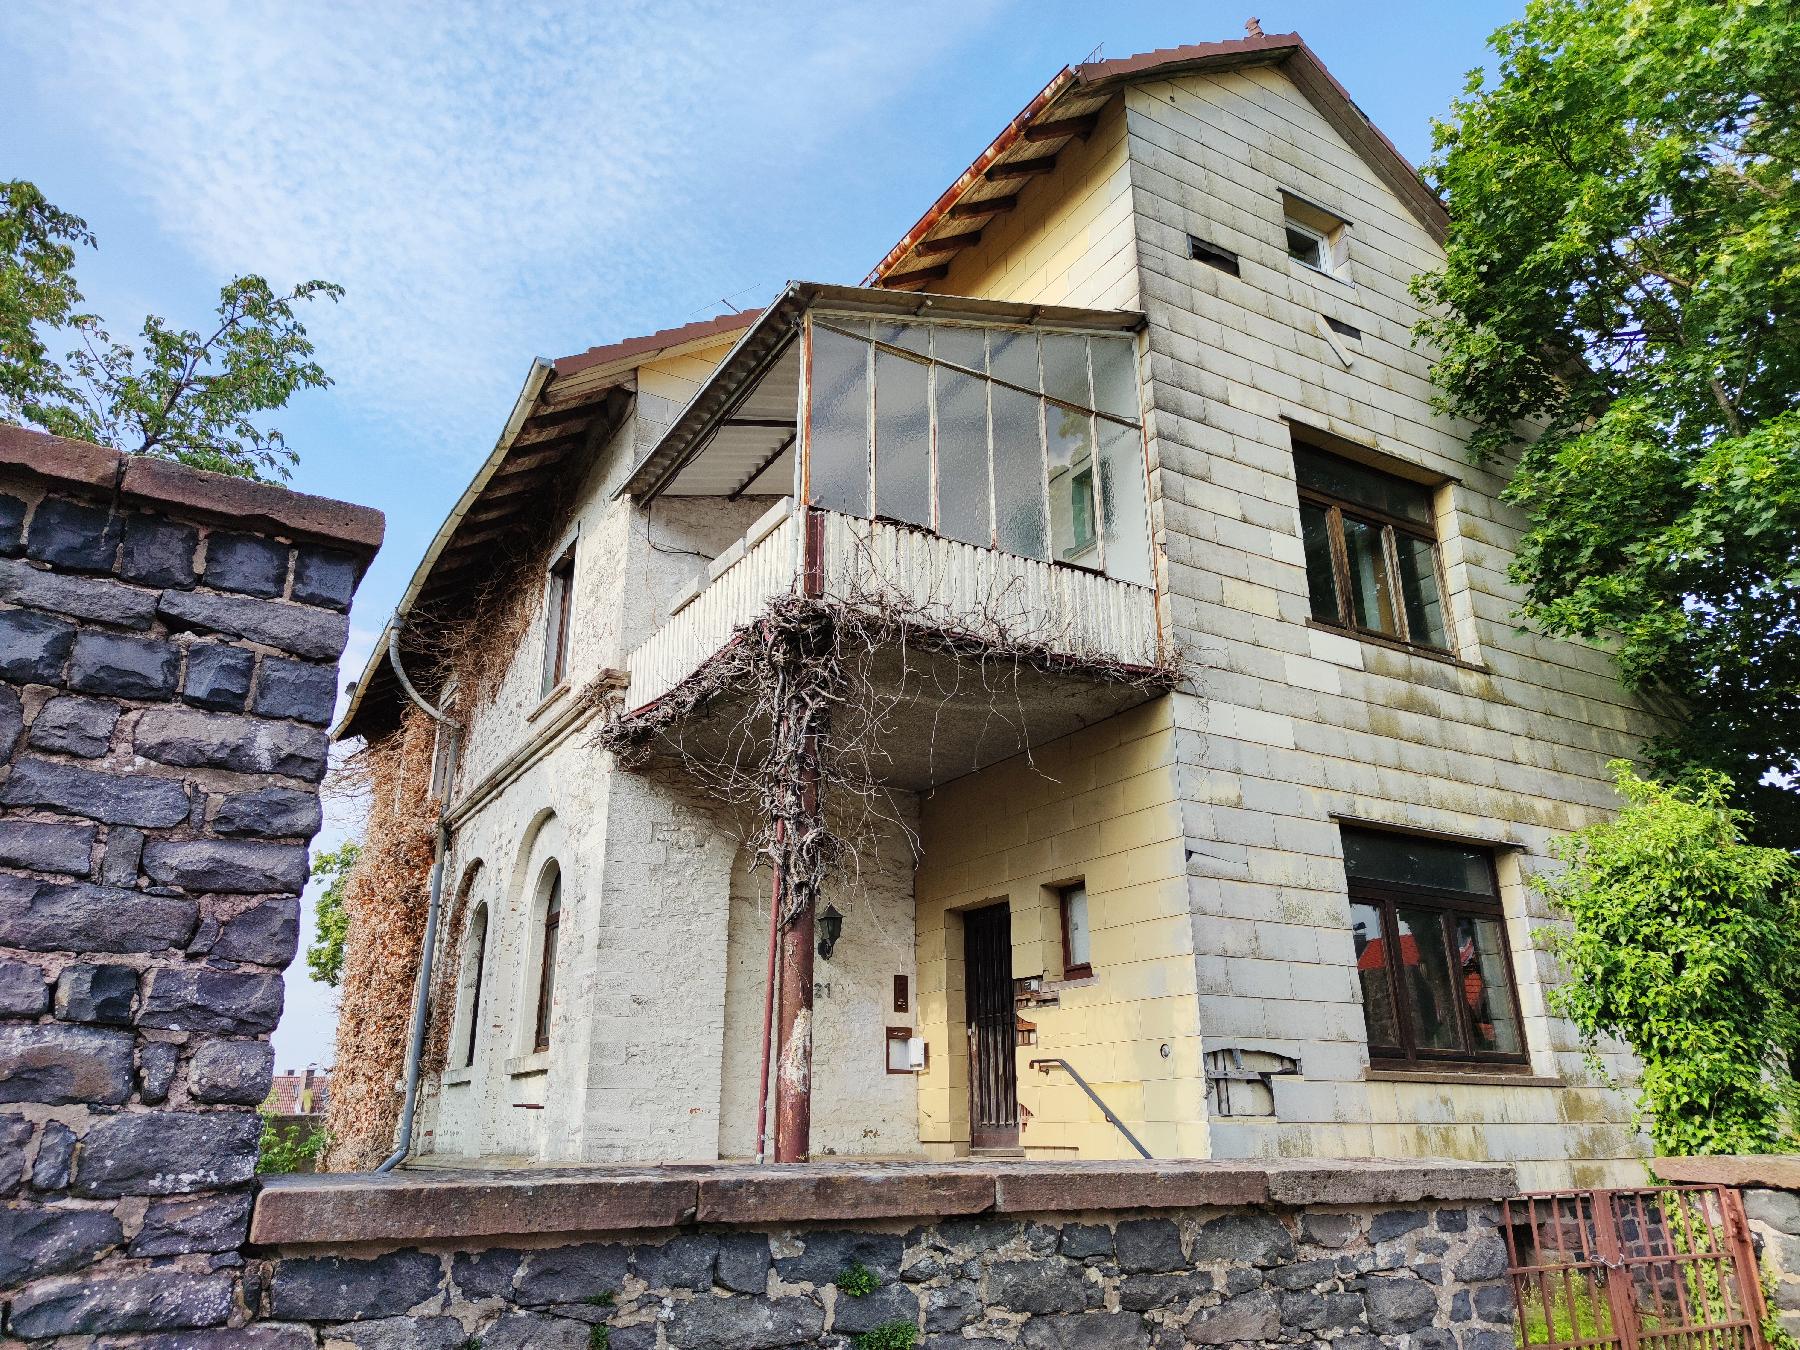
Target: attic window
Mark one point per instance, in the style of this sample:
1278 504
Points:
1212 255
1316 238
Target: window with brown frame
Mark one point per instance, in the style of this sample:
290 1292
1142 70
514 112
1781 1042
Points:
547 964
1431 954
1078 961
1371 550
558 596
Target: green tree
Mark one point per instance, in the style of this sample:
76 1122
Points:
1620 308
1685 944
325 956
192 395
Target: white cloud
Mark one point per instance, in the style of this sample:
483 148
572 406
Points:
484 180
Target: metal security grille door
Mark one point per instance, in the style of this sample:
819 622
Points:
993 1067
1666 1266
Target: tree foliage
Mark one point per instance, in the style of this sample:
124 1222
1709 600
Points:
188 394
1685 944
1623 280
325 955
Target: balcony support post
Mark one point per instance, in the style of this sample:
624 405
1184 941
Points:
793 1073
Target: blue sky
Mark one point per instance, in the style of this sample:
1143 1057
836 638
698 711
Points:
496 182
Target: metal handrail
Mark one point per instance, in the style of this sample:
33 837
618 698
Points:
1043 1066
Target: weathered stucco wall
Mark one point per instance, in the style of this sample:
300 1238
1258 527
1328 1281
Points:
1294 725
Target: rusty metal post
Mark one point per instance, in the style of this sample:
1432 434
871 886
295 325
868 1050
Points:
793 1071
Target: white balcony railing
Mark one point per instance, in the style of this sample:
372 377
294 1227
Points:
933 582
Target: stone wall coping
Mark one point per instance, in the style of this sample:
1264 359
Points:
1775 1171
441 1206
244 502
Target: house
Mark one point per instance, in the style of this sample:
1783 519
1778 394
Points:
299 1092
1060 698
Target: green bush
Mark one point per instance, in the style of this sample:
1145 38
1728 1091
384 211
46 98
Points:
889 1336
858 1281
287 1150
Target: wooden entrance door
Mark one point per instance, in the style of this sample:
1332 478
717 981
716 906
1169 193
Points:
993 1068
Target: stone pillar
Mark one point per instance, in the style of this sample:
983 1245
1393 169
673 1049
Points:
169 643
1771 1190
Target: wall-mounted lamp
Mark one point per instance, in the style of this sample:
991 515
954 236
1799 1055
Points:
831 928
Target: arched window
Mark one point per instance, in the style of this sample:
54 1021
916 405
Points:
547 968
474 963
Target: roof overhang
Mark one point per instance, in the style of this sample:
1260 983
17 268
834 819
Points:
769 337
1067 108
560 410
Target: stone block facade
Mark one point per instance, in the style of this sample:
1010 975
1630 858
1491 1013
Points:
1157 1267
168 655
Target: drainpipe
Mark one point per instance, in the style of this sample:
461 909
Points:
415 1049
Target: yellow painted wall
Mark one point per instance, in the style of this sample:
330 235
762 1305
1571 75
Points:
1099 806
1070 240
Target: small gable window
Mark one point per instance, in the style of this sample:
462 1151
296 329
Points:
1315 237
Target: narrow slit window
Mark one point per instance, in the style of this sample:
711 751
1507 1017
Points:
476 947
558 599
1212 255
546 992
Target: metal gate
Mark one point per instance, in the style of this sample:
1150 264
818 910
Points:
993 1028
1666 1266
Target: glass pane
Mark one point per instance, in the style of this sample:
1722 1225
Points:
1372 973
1115 376
1075 925
1357 483
1486 991
1371 595
838 463
1426 981
902 439
966 347
1013 357
1124 504
1019 474
962 458
1315 538
1417 565
1408 860
915 337
1305 246
1072 516
1065 369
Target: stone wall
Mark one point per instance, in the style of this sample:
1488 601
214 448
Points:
168 661
1109 1257
1771 1191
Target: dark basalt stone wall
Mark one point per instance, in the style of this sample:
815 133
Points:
1351 1277
168 663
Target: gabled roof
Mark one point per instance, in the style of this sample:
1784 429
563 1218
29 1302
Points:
560 408
1067 109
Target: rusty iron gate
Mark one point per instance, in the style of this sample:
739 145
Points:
1661 1268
